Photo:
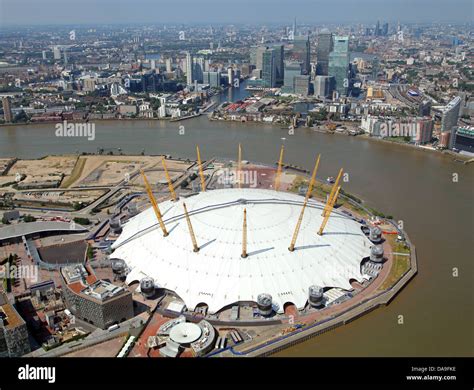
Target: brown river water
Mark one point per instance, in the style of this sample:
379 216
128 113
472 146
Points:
414 186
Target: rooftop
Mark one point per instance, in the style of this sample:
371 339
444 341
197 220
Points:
102 290
82 280
217 275
466 130
9 315
68 253
26 229
456 100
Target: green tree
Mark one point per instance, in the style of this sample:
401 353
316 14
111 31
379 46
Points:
29 218
82 221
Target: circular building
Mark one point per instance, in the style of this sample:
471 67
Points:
376 254
264 304
185 333
147 287
115 225
118 266
315 296
375 235
217 275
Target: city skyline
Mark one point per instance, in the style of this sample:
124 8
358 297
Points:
55 12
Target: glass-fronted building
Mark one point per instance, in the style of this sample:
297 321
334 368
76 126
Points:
339 64
292 70
269 68
323 50
301 52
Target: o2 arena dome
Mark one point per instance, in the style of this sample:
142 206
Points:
217 274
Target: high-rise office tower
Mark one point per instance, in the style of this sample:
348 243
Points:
301 52
152 82
7 109
259 56
377 29
198 69
339 64
279 64
302 85
253 56
279 55
189 69
212 78
322 52
56 52
269 69
247 69
450 115
323 86
169 67
230 75
292 70
385 29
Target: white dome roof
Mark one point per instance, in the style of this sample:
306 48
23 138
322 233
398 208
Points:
217 275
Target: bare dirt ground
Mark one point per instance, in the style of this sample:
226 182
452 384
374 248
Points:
66 197
110 170
109 348
48 168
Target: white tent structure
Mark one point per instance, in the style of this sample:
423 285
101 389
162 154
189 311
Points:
217 275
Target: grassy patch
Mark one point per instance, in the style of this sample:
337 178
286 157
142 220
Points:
397 246
320 192
75 174
400 264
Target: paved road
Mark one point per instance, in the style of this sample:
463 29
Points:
97 336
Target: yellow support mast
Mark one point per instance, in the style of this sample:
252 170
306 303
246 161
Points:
330 205
308 194
191 231
154 204
244 236
333 190
201 174
239 164
170 185
278 174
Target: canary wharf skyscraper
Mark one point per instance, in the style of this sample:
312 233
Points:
339 64
189 69
322 52
301 52
269 68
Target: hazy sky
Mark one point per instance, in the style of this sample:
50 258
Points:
231 11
